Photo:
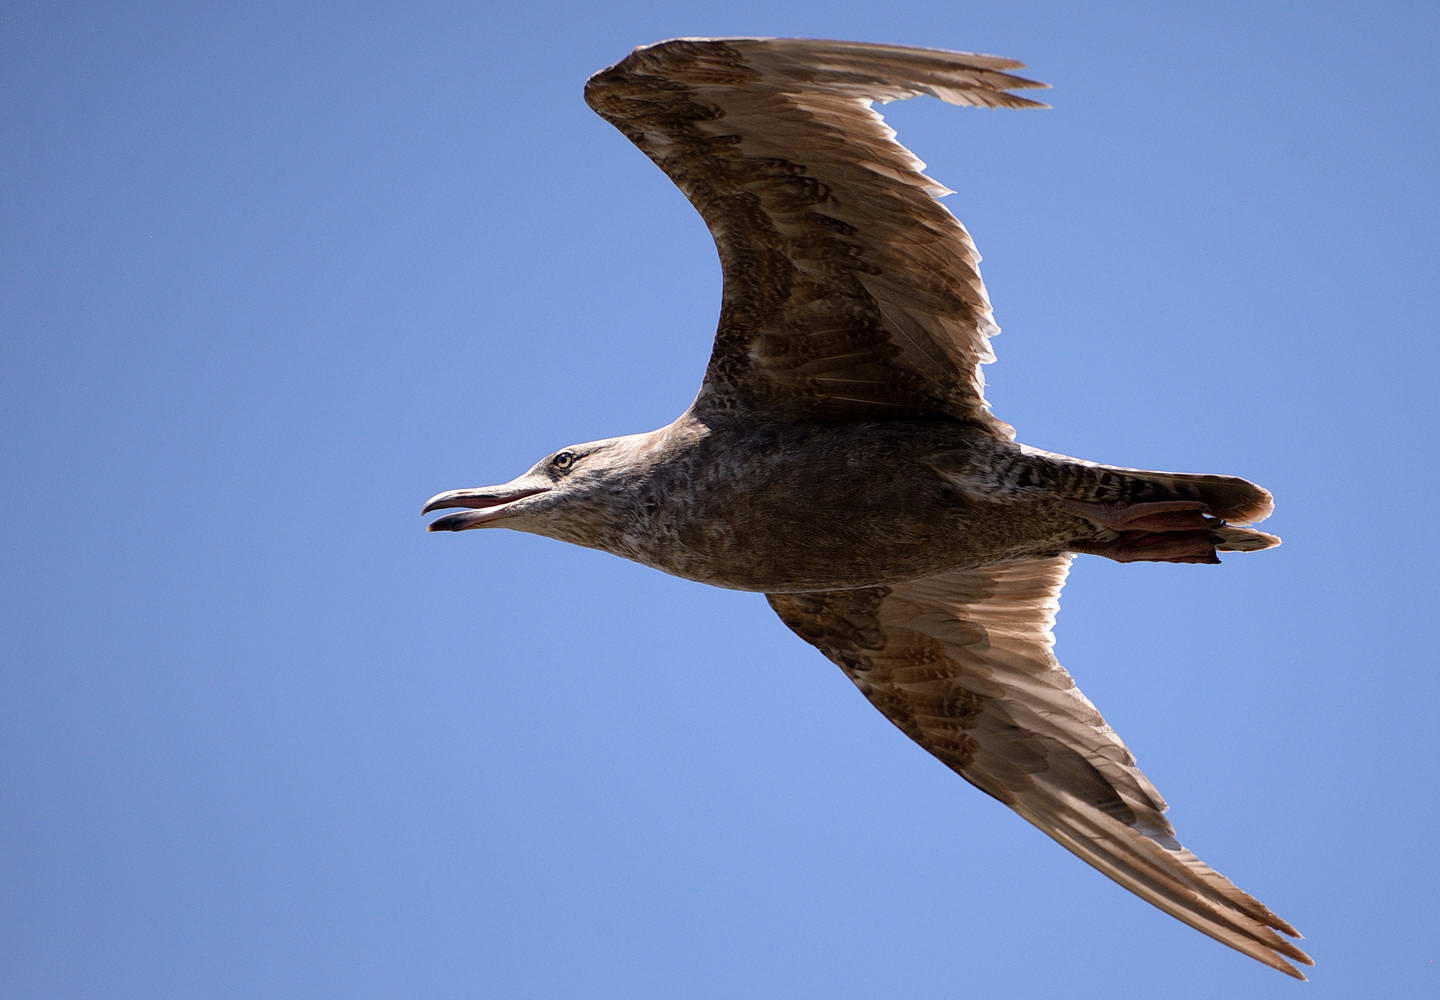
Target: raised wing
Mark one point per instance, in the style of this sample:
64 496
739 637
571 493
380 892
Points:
962 664
849 290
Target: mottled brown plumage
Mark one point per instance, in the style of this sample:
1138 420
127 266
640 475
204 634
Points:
849 290
841 458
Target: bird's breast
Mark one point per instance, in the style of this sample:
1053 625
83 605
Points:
803 513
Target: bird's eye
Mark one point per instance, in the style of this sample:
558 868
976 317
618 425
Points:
563 460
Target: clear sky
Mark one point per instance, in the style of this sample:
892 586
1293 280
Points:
277 272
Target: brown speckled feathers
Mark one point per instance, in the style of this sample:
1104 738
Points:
962 664
852 294
841 458
849 290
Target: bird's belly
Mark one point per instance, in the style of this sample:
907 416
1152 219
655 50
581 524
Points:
830 507
806 549
781 568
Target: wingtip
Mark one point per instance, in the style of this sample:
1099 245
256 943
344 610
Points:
1280 965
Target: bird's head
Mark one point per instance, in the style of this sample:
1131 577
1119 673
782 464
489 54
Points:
580 494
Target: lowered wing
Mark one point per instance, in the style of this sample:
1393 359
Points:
962 664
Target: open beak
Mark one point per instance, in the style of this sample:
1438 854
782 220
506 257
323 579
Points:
483 505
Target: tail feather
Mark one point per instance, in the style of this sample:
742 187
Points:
1231 498
1230 539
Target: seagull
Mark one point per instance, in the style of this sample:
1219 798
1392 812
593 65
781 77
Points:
841 459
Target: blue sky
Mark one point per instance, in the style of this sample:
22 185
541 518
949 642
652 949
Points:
278 272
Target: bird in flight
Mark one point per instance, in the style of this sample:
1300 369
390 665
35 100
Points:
840 456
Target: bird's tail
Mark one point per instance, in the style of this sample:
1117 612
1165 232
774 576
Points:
1230 498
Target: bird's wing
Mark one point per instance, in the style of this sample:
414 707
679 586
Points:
962 664
850 291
